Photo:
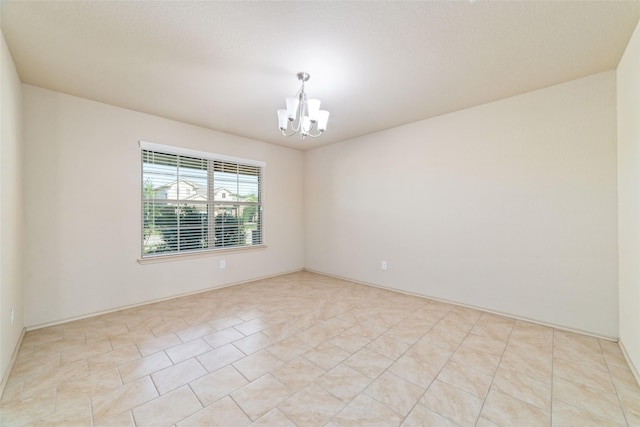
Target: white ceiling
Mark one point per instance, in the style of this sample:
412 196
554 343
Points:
229 65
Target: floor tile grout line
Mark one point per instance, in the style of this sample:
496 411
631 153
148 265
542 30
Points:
615 386
238 405
449 359
91 410
434 378
493 377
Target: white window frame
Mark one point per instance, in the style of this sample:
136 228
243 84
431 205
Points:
178 151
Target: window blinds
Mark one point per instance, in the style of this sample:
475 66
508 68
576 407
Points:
198 204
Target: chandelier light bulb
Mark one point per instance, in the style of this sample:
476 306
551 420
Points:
306 124
313 107
283 119
323 118
292 107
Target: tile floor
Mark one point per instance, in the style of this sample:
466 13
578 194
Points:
308 350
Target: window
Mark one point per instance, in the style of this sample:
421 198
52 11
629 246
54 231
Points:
181 212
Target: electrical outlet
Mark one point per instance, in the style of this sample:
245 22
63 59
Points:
223 263
384 265
12 315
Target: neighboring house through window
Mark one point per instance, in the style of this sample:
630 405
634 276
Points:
195 201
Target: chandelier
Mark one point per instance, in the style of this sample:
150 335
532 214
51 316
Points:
303 115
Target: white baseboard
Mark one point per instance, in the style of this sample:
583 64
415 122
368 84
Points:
509 315
5 377
126 307
633 368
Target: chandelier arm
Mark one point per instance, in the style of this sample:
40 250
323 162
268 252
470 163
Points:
296 127
315 136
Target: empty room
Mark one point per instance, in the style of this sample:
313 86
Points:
314 213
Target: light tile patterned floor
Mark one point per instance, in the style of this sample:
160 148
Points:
309 350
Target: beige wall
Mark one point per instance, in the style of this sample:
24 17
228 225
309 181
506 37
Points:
82 198
628 78
11 208
508 206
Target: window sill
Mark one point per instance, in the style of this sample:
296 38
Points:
202 254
